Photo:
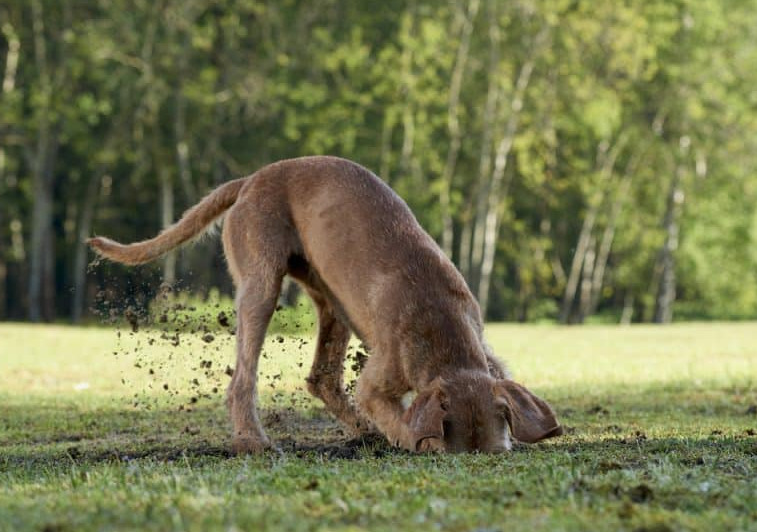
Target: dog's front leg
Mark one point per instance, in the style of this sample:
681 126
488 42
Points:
385 412
381 403
255 305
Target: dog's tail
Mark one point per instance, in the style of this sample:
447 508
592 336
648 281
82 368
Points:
192 223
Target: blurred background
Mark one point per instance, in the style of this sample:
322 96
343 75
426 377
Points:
579 160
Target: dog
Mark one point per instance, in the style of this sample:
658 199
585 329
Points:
369 267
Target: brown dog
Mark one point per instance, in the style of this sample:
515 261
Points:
369 267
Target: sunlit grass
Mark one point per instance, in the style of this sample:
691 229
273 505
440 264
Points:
660 425
55 359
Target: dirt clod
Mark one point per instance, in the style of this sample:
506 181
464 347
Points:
360 360
131 316
637 437
641 493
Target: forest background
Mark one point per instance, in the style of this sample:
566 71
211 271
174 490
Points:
578 160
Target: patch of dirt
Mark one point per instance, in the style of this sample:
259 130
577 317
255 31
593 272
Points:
641 494
319 433
163 454
656 527
370 445
637 437
598 410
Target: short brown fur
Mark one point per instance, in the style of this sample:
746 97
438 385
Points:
370 268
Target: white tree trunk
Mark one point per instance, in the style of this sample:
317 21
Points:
167 218
498 189
666 292
453 126
470 259
606 158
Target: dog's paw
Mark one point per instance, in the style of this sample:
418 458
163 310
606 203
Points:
431 445
250 445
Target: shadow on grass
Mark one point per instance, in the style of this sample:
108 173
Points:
32 435
672 398
596 457
609 422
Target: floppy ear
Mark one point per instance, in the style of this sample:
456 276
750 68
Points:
425 416
531 419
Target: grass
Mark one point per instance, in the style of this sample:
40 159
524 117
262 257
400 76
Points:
102 430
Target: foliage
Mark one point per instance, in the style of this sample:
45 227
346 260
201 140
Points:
585 156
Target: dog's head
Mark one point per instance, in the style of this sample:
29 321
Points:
472 411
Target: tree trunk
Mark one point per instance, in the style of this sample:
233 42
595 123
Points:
605 162
80 252
587 280
41 161
666 292
408 112
41 270
467 256
453 126
3 266
9 84
466 235
11 57
608 236
498 187
627 315
385 158
180 125
3 294
167 218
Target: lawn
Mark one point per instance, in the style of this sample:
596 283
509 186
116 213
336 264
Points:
106 429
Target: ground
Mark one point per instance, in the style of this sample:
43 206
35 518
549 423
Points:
116 430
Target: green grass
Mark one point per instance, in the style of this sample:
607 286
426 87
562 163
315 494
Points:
660 436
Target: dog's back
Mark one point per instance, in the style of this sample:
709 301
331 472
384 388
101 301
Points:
363 243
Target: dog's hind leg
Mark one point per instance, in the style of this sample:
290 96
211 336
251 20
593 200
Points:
326 379
256 244
256 302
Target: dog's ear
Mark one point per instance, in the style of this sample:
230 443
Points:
530 418
425 417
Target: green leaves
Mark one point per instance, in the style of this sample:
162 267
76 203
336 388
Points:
511 129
